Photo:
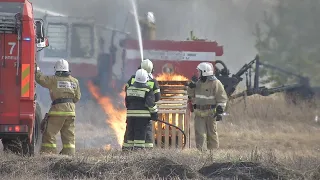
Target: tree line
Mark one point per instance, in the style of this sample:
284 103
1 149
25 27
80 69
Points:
289 37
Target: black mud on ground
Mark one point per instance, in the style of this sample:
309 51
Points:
163 168
248 171
150 168
167 169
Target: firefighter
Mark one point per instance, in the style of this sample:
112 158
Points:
154 85
141 108
209 100
64 92
148 27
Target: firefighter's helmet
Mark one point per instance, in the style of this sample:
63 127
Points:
147 65
61 65
141 76
205 68
151 18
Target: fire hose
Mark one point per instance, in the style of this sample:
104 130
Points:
183 133
217 116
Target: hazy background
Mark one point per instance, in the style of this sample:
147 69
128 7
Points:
230 23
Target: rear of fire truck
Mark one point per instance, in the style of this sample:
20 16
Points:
20 115
175 63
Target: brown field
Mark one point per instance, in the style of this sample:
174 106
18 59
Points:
268 139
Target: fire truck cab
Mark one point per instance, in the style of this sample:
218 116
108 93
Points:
21 37
87 45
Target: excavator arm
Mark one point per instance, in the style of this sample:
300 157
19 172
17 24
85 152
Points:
230 83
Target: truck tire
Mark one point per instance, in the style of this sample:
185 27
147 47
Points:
31 148
37 129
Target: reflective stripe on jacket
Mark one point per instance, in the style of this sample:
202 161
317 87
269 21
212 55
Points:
210 92
60 86
152 83
140 101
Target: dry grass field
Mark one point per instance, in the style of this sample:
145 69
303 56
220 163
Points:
268 139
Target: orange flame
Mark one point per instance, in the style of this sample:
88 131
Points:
116 117
107 147
171 77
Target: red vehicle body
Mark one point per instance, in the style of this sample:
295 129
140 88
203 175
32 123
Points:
19 114
177 57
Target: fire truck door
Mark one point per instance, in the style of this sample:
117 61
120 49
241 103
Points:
10 88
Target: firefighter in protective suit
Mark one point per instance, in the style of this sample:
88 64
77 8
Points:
64 92
148 26
154 85
209 100
141 108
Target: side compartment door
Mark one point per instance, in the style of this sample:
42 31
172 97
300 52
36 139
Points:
10 88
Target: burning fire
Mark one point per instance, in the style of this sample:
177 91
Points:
171 117
171 77
173 133
170 92
107 147
116 117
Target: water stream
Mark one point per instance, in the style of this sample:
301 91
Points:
135 14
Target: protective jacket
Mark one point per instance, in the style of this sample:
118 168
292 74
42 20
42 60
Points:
140 101
148 30
208 93
152 83
64 92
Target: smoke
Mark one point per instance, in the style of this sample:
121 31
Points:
230 23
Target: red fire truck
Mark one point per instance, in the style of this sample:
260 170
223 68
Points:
20 115
172 57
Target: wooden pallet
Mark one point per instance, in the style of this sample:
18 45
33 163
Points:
173 108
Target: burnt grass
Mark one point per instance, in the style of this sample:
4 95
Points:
267 141
141 167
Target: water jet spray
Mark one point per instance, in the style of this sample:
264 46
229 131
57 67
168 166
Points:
135 14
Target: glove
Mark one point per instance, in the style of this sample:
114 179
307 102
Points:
219 110
219 117
194 79
154 116
192 85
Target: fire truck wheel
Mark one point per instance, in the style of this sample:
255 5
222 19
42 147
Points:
36 140
31 148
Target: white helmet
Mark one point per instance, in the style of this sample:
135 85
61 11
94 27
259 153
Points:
147 65
205 68
151 18
141 76
61 65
